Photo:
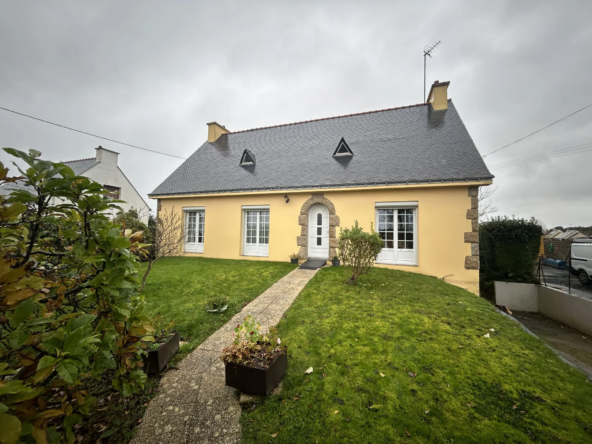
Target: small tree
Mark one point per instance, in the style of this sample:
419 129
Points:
166 232
358 250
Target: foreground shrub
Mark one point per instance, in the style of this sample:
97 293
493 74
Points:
358 250
69 306
508 251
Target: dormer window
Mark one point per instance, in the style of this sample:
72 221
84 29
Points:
247 159
342 149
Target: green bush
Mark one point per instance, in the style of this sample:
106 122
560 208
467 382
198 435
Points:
131 220
508 251
358 250
70 312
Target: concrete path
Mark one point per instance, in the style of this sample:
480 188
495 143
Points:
193 404
570 344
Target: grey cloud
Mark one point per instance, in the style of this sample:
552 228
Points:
153 73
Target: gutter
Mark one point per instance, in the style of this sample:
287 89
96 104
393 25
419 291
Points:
320 187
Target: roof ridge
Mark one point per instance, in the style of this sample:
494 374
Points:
79 160
329 118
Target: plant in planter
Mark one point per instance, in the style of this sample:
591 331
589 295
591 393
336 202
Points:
294 258
219 305
255 362
335 261
162 346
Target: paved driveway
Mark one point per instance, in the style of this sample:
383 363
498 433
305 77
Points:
559 278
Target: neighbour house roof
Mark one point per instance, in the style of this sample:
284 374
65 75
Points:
78 166
570 234
81 165
411 144
6 188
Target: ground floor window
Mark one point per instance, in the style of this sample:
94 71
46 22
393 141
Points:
397 226
256 232
195 221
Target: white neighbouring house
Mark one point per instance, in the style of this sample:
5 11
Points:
104 170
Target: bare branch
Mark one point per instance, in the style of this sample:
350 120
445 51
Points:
169 238
486 207
49 253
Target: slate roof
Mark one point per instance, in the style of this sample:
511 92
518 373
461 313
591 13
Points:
78 166
6 188
82 165
396 146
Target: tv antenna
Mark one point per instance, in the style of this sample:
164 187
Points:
427 51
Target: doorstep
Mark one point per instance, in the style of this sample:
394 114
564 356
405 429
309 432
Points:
313 264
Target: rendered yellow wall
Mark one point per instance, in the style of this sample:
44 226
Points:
442 223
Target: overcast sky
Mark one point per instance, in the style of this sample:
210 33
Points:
153 73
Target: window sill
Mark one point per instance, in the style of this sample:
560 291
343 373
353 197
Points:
255 255
408 264
197 250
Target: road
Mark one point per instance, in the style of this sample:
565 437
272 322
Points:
559 279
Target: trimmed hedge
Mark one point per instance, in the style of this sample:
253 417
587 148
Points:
508 251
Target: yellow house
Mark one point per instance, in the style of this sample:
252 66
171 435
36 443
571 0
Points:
413 173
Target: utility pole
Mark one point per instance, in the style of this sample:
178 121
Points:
427 51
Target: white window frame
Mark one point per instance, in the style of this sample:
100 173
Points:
398 256
255 249
200 213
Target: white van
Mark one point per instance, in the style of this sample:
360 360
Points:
581 261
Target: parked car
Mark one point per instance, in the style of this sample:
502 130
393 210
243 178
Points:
581 262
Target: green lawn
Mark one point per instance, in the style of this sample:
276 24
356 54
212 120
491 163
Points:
443 380
178 288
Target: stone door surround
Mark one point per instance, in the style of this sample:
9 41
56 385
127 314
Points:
302 240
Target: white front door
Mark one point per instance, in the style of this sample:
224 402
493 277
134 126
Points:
318 232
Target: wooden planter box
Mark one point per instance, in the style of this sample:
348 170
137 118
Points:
256 381
157 360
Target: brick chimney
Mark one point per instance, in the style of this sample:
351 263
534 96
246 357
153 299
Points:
438 95
215 130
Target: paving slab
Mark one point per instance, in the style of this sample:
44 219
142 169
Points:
199 360
164 424
193 404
